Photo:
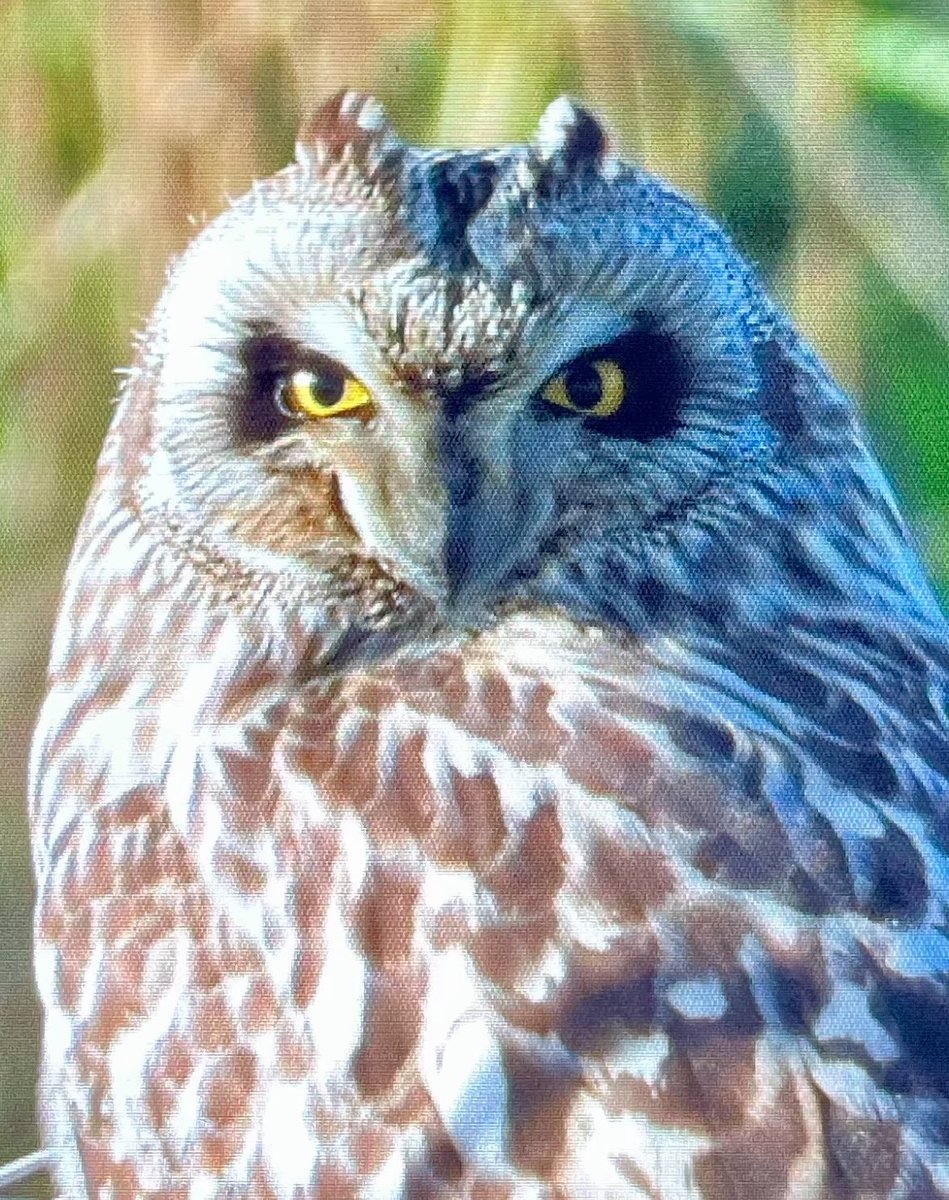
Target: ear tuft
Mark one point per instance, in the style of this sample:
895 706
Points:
569 138
350 125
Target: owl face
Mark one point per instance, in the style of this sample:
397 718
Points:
462 379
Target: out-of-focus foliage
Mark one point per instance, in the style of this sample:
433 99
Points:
817 129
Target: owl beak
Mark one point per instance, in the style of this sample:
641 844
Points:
443 510
491 524
489 537
428 577
399 514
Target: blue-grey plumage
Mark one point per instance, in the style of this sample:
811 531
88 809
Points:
742 530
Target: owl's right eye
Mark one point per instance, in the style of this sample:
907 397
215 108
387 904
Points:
323 390
284 382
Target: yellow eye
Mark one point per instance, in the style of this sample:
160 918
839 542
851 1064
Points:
595 389
320 392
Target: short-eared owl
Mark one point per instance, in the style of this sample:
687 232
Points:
496 738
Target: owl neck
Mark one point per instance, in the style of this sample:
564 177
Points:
780 548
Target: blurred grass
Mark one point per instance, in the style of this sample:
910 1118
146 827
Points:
818 130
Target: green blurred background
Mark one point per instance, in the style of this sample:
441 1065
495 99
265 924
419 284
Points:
818 130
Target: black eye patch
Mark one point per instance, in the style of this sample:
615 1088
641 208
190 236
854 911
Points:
265 357
632 387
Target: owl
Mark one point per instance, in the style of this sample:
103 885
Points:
495 745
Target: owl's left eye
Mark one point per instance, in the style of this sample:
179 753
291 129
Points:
320 391
595 388
631 388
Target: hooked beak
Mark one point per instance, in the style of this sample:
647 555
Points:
444 507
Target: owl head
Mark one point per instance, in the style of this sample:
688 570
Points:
422 385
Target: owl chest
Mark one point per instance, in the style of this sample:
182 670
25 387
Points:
355 917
